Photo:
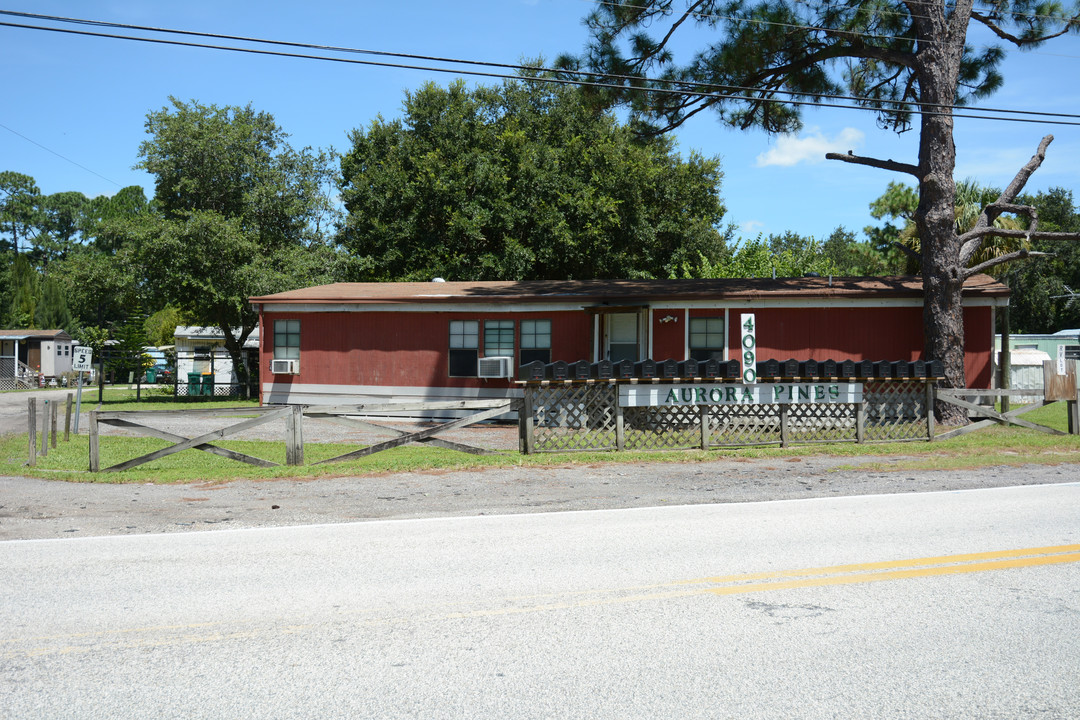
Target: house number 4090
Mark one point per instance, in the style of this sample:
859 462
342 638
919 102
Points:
749 348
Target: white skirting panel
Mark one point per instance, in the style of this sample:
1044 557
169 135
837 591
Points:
311 394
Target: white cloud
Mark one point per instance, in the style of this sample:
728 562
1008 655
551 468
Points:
751 226
809 147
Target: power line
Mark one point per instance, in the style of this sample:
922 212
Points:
708 92
806 26
709 88
62 157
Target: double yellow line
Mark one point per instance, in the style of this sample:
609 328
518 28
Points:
783 580
889 570
853 574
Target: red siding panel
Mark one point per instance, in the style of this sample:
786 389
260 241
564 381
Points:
392 349
410 349
978 346
669 338
835 333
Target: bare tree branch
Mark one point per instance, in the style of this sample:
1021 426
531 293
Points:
1009 194
972 240
910 252
1001 259
891 165
1026 234
995 28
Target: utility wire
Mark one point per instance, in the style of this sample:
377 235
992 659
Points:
706 87
62 157
958 112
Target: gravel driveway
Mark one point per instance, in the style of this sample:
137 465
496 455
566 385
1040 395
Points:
32 508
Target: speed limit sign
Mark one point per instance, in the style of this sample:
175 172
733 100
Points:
81 359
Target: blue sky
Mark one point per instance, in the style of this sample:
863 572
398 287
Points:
72 108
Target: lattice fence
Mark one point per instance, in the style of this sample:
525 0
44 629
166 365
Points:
587 416
573 417
896 410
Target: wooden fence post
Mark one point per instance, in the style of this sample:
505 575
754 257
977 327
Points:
45 430
67 418
706 429
785 430
1006 359
1074 405
527 424
31 413
294 436
620 423
930 397
860 422
53 412
95 457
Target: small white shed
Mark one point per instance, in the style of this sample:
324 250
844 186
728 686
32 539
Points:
1027 369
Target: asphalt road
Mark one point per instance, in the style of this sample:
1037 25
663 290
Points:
944 605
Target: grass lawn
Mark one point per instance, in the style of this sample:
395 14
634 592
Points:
70 460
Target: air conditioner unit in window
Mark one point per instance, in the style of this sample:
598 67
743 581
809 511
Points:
285 367
495 367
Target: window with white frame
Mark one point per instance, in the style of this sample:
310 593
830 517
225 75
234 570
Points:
535 341
286 339
464 347
706 338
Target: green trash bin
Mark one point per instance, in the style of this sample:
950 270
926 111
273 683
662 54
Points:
208 385
194 384
151 375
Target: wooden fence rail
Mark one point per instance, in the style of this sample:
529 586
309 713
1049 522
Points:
566 417
128 420
293 416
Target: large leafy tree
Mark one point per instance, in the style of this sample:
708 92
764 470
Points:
24 285
1046 290
522 181
909 60
19 196
99 288
60 218
105 217
52 311
787 255
239 212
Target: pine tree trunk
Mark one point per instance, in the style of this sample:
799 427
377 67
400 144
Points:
943 315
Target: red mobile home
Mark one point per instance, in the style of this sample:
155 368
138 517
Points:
359 342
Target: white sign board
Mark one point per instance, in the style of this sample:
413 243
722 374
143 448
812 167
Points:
724 394
749 347
1061 360
81 359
